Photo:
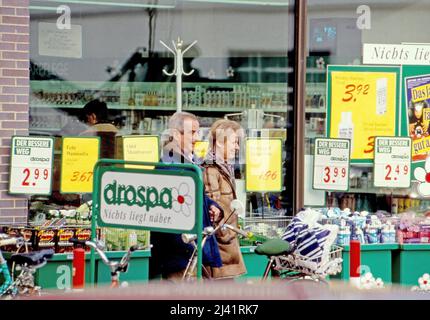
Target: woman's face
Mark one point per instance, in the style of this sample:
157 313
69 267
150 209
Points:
231 146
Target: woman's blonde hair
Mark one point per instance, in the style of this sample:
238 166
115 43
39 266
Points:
220 129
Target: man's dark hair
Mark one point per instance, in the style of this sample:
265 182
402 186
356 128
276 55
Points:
97 107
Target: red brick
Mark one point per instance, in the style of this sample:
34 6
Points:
10 37
22 47
21 221
21 132
14 29
6 142
15 73
6 133
4 151
7 81
14 124
4 186
15 20
16 90
7 204
18 107
16 3
23 99
7 221
21 116
21 203
7 64
7 11
7 98
15 55
22 12
23 64
5 160
22 82
4 177
7 46
21 212
6 116
4 168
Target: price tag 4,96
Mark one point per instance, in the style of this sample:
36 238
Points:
331 164
392 167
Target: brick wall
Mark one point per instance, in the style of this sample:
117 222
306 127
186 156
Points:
14 98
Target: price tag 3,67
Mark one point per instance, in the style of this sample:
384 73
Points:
392 167
331 164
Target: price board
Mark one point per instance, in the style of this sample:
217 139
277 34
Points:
141 148
263 171
363 103
31 165
392 160
201 149
79 155
331 164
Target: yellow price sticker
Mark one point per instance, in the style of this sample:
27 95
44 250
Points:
263 165
141 148
362 106
79 155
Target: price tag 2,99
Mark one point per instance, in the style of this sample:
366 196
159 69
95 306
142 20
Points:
392 167
31 165
331 164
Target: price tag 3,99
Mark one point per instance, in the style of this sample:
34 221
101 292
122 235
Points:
31 165
392 160
331 164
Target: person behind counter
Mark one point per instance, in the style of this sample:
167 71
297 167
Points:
95 114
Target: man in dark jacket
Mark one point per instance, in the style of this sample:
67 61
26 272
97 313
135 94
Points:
170 255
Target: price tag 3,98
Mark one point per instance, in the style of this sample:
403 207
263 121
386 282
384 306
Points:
392 167
331 164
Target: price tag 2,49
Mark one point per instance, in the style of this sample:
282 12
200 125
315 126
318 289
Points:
392 160
331 164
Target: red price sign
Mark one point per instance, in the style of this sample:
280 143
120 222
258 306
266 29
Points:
33 175
392 162
331 164
333 173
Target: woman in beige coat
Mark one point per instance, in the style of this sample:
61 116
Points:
220 186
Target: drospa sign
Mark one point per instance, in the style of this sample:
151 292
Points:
146 200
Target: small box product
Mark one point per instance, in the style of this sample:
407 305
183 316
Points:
63 243
83 234
46 239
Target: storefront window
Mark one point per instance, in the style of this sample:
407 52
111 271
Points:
243 70
337 34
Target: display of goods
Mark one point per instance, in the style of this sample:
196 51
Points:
63 243
117 239
83 234
27 233
46 239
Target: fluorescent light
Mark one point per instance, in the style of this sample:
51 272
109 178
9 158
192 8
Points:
279 3
161 4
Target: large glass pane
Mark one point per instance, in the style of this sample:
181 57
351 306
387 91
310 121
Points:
111 50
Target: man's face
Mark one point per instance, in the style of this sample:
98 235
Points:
189 136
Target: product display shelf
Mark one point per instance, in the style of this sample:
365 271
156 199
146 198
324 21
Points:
57 273
316 110
410 263
375 258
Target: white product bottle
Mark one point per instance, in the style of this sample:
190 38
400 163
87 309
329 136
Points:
346 127
381 96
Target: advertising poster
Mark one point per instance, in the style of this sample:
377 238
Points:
363 103
418 106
